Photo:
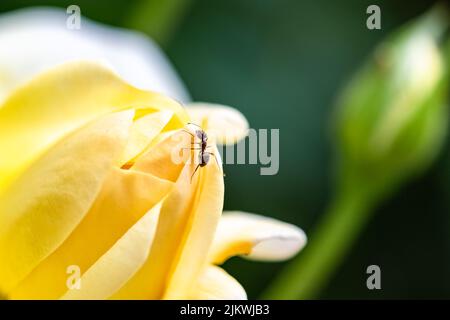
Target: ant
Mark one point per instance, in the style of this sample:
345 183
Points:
203 155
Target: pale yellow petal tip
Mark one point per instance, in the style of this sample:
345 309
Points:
269 239
226 124
216 284
279 248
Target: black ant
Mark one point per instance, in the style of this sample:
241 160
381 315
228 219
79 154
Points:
203 155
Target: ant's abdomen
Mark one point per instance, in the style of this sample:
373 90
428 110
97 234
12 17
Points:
204 158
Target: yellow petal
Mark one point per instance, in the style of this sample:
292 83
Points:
256 237
215 284
125 197
149 281
226 124
120 263
41 209
199 232
143 131
34 39
59 101
159 160
185 231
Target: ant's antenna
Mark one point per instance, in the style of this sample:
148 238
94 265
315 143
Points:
195 125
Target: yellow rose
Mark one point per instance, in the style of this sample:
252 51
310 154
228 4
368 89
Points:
88 181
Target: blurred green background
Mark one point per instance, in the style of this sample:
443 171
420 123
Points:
282 63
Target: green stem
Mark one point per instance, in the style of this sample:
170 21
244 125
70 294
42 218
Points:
309 272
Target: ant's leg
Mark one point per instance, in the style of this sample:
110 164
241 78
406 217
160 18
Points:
189 133
195 172
215 158
217 162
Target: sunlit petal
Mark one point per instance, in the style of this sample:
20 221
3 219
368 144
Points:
120 263
61 100
199 233
41 209
226 124
125 197
184 234
143 131
216 284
